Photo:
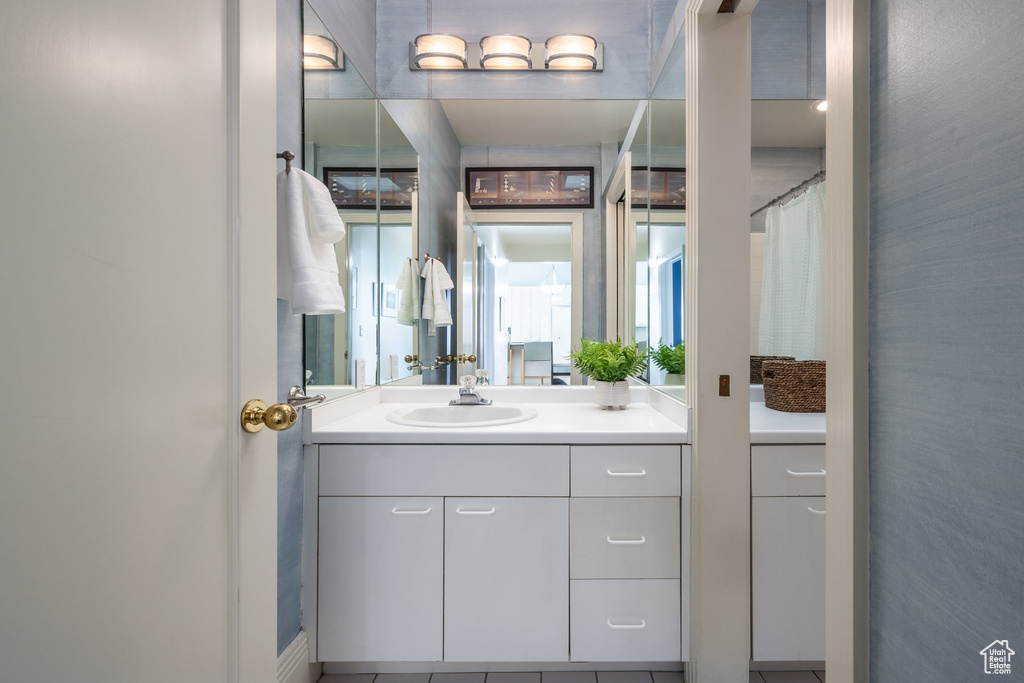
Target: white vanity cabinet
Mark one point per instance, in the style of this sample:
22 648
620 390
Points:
498 553
506 593
381 584
629 553
788 552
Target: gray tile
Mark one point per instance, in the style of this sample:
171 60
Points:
347 678
458 678
669 676
568 677
755 677
624 677
789 677
513 678
820 675
402 678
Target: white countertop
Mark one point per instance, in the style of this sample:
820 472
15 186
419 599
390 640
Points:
558 421
565 415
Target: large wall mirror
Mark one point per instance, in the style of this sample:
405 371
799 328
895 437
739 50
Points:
527 283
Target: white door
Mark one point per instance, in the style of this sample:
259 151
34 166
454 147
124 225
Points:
466 289
138 315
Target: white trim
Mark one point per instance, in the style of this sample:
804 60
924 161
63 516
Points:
293 665
847 220
620 182
310 544
718 237
233 124
575 221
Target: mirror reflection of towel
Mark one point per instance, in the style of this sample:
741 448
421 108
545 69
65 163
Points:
409 285
435 301
308 225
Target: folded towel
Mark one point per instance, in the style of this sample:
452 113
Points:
308 225
409 285
435 302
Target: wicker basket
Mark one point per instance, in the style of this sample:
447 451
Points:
794 386
755 366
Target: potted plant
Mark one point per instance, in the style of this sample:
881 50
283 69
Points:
608 364
671 359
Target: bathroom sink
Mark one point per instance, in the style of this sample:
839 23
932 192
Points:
462 416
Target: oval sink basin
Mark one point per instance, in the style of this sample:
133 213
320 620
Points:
462 416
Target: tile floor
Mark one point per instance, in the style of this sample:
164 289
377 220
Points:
566 677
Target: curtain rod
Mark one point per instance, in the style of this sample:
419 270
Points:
819 174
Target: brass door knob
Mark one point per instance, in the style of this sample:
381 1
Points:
412 359
256 415
470 359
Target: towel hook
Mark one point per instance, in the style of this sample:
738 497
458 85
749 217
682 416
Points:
287 156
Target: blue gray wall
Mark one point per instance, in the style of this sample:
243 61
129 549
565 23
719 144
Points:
946 338
289 343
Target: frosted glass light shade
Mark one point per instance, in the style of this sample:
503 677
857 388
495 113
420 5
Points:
439 51
505 52
570 52
320 52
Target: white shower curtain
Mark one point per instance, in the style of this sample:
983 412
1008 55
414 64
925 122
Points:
793 285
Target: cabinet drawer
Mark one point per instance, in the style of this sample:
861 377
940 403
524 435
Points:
624 620
443 470
787 470
624 538
625 470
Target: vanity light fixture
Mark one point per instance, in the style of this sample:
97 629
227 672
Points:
505 52
576 52
820 105
320 52
439 51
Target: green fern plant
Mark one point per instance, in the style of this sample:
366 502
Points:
609 361
671 359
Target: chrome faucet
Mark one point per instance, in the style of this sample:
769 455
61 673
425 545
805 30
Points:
468 395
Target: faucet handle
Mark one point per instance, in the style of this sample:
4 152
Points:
468 381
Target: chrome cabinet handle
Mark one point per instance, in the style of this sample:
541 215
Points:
820 473
396 511
462 511
641 473
642 624
817 512
627 541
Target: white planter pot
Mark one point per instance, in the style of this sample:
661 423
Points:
673 379
611 395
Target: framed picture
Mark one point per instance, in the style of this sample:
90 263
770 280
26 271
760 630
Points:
664 187
357 188
530 188
388 301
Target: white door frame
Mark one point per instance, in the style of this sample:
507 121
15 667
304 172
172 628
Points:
847 623
575 221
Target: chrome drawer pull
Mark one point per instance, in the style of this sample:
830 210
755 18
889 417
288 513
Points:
642 624
461 511
817 512
396 511
641 473
627 541
806 474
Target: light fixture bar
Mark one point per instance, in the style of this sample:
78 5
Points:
437 51
477 60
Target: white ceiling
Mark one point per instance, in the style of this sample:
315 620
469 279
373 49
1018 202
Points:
539 122
527 242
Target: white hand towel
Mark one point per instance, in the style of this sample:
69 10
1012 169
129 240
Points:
409 286
435 302
308 225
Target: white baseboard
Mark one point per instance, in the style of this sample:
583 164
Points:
293 666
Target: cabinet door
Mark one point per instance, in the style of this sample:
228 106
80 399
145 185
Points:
381 579
506 579
788 590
